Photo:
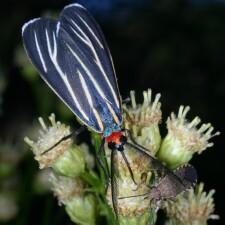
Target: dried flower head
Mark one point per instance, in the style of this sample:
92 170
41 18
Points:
49 136
192 207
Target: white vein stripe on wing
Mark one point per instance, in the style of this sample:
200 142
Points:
115 117
98 118
85 38
91 31
40 53
89 99
88 42
29 23
53 57
74 5
57 28
85 89
87 72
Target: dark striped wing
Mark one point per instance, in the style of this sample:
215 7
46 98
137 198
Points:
73 58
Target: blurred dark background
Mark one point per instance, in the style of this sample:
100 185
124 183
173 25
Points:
175 47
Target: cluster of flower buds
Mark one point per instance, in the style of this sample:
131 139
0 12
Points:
70 164
193 207
175 150
74 179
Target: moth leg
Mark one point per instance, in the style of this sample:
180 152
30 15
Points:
73 134
128 166
132 138
143 181
114 186
126 100
101 164
172 199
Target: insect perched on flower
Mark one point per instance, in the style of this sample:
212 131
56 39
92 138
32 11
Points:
73 58
169 186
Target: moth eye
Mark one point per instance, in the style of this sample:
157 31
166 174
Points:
112 145
123 140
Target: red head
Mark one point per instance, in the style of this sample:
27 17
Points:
116 140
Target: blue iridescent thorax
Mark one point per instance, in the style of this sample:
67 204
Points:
109 123
110 129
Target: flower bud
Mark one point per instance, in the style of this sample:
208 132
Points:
80 207
143 120
148 218
192 207
82 210
66 188
71 163
49 136
184 139
65 158
131 210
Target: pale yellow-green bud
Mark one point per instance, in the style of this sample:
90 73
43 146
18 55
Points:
66 188
71 163
184 139
193 207
80 206
142 120
148 218
82 210
65 158
131 210
49 136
